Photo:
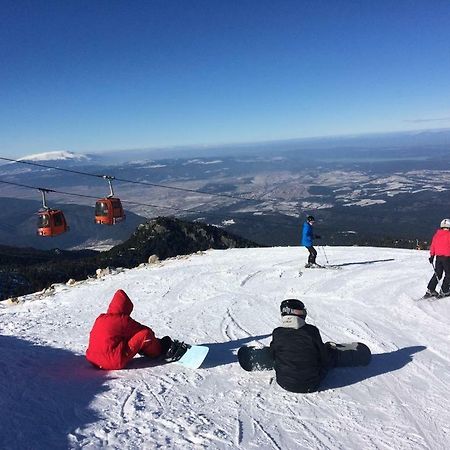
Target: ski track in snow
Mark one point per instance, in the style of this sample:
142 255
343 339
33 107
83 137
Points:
54 399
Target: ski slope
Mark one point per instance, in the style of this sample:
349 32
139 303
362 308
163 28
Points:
51 398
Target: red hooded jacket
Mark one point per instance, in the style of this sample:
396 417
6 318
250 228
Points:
440 244
116 338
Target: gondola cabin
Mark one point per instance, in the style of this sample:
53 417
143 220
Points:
51 222
109 211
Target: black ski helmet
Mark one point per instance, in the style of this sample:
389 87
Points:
292 307
310 219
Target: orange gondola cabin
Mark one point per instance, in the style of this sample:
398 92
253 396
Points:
109 211
51 222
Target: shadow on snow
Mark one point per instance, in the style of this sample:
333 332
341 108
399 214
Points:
381 363
363 262
45 395
222 353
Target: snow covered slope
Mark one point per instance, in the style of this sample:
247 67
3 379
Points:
51 398
56 156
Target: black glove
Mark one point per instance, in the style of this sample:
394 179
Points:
431 259
317 236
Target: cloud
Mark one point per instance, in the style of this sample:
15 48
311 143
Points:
440 119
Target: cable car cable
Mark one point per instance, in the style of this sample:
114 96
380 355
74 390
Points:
145 183
91 196
191 211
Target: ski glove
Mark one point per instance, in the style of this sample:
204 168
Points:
431 259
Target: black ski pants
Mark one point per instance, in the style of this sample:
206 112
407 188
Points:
312 254
441 267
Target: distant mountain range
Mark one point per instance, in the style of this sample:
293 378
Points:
360 142
394 140
363 190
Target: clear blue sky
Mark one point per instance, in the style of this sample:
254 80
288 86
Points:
93 75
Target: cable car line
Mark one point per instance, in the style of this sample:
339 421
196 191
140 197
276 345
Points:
144 183
30 163
108 210
91 196
174 208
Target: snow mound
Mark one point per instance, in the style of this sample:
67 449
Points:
52 398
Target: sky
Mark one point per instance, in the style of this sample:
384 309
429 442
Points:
57 400
97 75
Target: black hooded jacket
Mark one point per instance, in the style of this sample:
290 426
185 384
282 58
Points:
301 358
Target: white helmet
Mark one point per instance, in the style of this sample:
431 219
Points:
445 223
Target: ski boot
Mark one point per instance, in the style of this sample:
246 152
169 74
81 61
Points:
443 294
314 266
430 294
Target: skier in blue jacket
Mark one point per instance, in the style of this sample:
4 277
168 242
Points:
308 237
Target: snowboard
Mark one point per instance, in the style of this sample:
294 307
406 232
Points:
255 358
349 354
194 356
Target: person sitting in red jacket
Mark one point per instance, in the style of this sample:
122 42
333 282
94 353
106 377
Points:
116 338
440 247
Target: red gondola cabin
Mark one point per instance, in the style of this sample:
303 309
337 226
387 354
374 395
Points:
51 222
109 211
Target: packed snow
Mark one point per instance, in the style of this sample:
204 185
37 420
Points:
52 398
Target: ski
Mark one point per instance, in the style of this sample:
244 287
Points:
429 298
328 266
432 298
439 297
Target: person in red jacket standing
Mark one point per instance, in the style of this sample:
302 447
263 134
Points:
440 248
116 338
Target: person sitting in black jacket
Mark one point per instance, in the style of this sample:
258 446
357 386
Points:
301 358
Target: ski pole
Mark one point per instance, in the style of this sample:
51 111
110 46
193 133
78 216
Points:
323 250
436 275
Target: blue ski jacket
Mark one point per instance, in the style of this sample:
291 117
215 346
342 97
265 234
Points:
307 235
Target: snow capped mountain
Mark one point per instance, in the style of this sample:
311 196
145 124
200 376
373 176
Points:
52 398
56 156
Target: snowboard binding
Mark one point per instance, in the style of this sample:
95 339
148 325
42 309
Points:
176 351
